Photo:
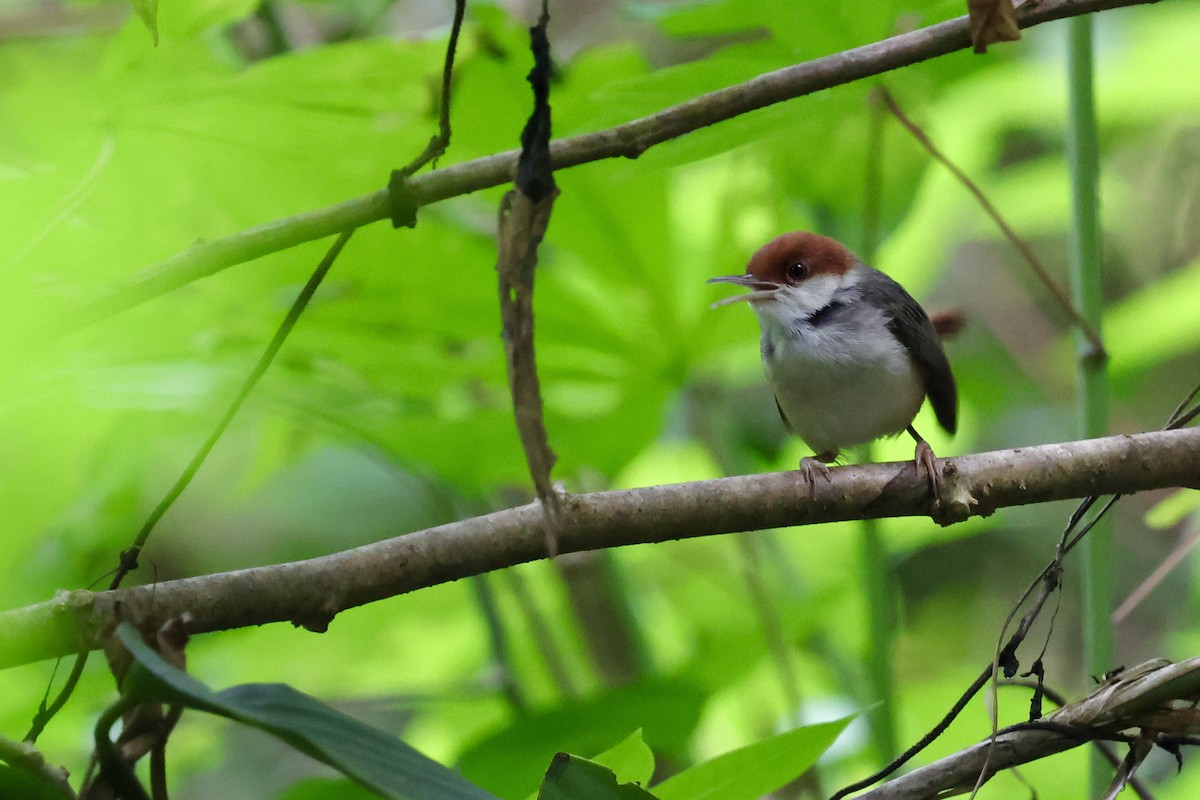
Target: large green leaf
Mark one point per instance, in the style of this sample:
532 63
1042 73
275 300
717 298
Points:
375 759
574 778
754 770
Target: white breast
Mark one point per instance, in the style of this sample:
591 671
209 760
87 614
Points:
842 383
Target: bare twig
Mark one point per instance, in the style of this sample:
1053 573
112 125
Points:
1173 559
129 556
1181 416
46 708
1060 700
627 140
441 140
1005 658
524 215
403 207
1143 697
977 484
1057 292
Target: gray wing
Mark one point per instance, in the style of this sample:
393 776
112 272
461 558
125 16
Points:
909 323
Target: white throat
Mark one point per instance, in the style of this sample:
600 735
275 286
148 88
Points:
839 374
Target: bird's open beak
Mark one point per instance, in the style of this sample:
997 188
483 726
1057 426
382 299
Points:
760 290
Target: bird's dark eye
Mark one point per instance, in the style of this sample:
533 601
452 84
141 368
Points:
797 272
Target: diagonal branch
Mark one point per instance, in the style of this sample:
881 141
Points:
1157 697
1023 247
312 592
627 140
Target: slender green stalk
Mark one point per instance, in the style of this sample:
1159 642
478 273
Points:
1083 155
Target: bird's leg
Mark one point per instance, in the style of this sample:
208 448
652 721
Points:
926 462
815 465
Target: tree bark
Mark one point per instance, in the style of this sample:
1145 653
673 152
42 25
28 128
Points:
311 593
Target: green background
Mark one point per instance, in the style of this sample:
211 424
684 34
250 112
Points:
388 408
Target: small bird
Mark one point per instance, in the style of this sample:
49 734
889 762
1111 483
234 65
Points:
850 355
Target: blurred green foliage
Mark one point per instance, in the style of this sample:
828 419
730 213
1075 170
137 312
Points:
388 410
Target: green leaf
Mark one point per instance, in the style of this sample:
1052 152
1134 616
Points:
1170 302
147 11
631 759
325 789
27 786
371 757
574 778
1173 508
511 760
754 770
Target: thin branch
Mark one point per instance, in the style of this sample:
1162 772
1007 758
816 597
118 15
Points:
1031 258
312 592
403 208
47 709
1047 582
1110 755
1190 539
129 557
524 215
627 140
1005 654
441 140
1144 697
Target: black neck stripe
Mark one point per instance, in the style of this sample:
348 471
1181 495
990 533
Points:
823 315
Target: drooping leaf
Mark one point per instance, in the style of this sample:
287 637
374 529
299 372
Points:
147 11
630 759
754 770
574 778
370 756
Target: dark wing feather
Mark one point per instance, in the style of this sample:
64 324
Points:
782 416
909 323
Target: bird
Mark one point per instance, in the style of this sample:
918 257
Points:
849 354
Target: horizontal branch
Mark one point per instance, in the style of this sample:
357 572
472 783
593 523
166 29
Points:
312 592
629 140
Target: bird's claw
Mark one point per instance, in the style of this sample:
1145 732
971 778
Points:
811 467
928 467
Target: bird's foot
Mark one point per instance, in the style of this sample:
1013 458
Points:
928 467
813 466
